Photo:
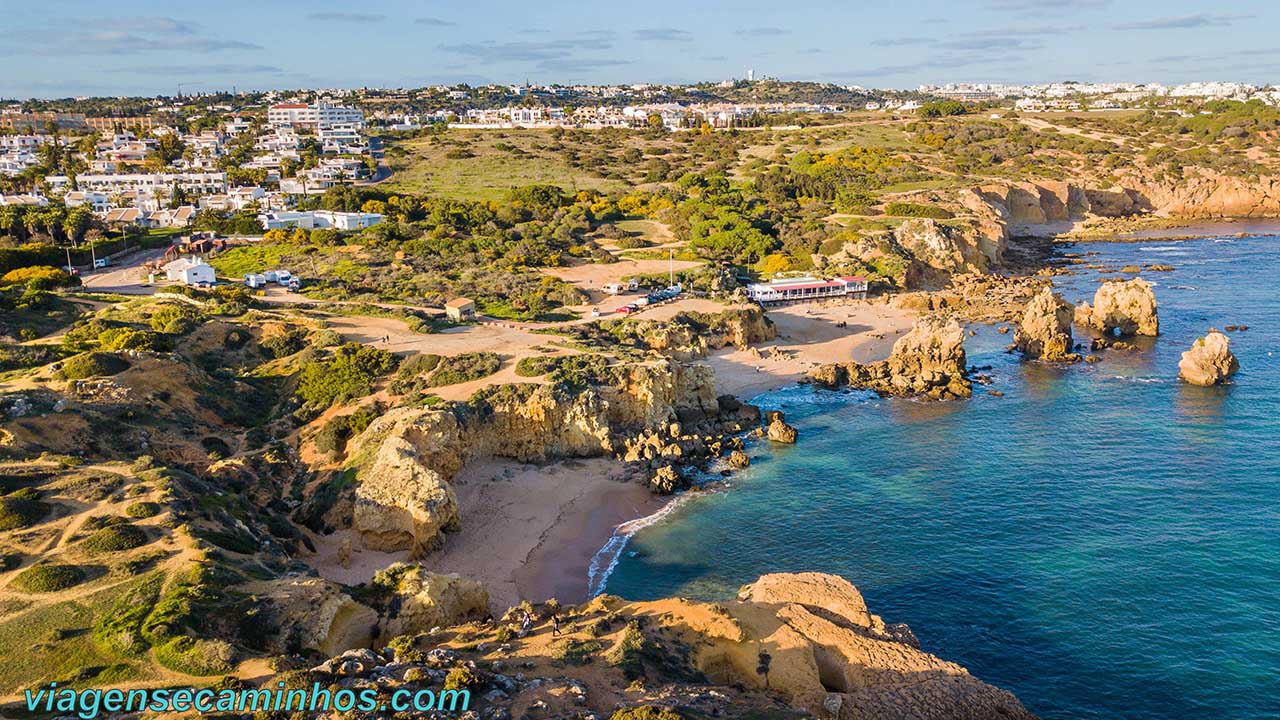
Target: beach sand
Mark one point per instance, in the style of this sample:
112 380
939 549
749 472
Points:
809 336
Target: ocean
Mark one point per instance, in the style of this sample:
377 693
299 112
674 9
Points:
1103 540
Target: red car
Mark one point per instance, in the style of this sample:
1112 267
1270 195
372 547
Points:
627 309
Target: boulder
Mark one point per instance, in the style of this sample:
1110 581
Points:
1127 307
1045 330
1209 361
402 503
667 480
739 460
778 430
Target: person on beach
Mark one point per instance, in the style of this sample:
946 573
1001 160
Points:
555 625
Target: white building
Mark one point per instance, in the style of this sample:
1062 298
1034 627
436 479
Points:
807 289
190 271
322 219
315 115
200 183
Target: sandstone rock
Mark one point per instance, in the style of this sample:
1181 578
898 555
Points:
1045 330
1209 361
428 600
942 247
403 503
739 460
667 480
928 361
1127 307
778 430
315 613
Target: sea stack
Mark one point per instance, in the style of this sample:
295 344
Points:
1045 330
1127 307
1209 361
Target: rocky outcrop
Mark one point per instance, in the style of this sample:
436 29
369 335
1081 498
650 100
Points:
402 501
693 335
403 462
1124 307
824 642
1045 330
929 361
1209 361
426 600
777 428
823 652
948 248
312 613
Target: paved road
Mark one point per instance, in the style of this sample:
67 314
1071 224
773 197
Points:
129 277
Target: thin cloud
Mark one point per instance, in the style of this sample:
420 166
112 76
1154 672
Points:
434 22
1182 22
763 32
662 34
347 17
903 41
538 52
209 69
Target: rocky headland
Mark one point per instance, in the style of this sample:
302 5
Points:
929 361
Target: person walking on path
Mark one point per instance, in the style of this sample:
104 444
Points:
555 625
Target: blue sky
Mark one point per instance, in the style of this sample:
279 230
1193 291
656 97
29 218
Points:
72 47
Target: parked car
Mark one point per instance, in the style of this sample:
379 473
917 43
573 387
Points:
627 309
101 262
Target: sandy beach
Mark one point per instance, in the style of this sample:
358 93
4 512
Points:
808 336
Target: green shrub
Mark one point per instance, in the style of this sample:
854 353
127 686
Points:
283 344
93 364
628 654
115 539
196 657
19 511
120 629
142 509
577 652
349 374
942 108
465 368
126 338
632 243
173 318
48 578
43 277
461 678
903 209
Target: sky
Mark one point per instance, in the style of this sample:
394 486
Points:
142 47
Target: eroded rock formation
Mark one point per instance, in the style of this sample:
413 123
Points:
1126 307
1209 361
928 361
403 462
777 428
426 600
1045 330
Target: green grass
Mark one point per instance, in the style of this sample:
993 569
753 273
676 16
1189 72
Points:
241 260
54 643
490 174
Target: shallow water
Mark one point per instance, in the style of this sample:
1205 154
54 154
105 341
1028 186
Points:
1103 540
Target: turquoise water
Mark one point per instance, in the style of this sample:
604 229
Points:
1103 541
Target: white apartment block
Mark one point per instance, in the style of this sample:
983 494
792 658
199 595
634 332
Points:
312 219
202 183
315 115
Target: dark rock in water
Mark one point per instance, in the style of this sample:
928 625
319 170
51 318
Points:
1092 359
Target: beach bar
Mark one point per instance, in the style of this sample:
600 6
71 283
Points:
806 289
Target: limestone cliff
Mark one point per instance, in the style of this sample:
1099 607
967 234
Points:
949 248
929 361
404 460
1209 361
1045 330
1126 307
